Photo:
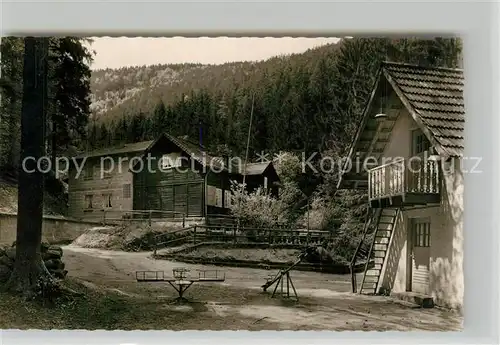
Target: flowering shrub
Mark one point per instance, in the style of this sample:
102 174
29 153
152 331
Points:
257 209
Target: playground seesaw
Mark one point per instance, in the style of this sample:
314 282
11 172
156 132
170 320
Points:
282 276
181 281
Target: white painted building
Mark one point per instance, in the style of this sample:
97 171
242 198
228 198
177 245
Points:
415 186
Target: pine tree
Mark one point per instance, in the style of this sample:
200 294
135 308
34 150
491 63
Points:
10 106
69 92
160 119
68 96
104 138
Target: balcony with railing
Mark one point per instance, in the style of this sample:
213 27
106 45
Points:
404 183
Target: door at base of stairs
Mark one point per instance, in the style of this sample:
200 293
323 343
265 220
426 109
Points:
419 255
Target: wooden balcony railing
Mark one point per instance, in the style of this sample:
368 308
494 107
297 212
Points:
400 177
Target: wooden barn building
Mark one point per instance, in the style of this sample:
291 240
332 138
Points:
169 174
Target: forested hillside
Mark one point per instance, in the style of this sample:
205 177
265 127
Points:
309 101
125 91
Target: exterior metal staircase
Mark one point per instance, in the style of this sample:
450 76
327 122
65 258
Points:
373 247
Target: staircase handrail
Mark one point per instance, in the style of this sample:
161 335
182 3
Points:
370 214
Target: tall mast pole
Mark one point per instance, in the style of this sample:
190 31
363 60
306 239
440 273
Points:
246 159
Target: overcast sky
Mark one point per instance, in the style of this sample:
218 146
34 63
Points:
122 51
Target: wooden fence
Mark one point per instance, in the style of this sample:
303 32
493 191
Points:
241 236
121 216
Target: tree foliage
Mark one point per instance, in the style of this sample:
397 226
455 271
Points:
68 96
69 92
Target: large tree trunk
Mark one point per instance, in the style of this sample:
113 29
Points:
30 275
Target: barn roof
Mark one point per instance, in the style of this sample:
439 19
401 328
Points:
126 148
197 153
256 168
432 96
193 150
216 162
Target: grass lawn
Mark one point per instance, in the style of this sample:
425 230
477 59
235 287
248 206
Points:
111 309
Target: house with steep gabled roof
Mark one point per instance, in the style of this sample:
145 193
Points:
407 155
171 175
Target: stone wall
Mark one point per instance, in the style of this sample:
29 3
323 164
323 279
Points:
51 255
54 229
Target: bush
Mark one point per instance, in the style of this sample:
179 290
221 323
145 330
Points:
257 209
319 217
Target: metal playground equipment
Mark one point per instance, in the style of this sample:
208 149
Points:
181 280
282 276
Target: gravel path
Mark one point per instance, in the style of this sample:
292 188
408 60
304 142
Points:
325 299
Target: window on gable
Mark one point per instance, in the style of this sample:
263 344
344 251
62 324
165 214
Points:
420 142
171 160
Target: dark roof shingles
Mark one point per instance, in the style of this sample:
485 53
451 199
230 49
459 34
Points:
436 95
127 148
256 168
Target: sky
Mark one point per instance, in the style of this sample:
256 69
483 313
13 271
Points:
122 51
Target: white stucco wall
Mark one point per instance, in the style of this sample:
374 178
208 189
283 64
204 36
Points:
446 250
399 144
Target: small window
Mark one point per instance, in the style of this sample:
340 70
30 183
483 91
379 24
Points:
422 234
127 191
420 142
170 161
106 198
218 197
265 182
211 195
88 202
